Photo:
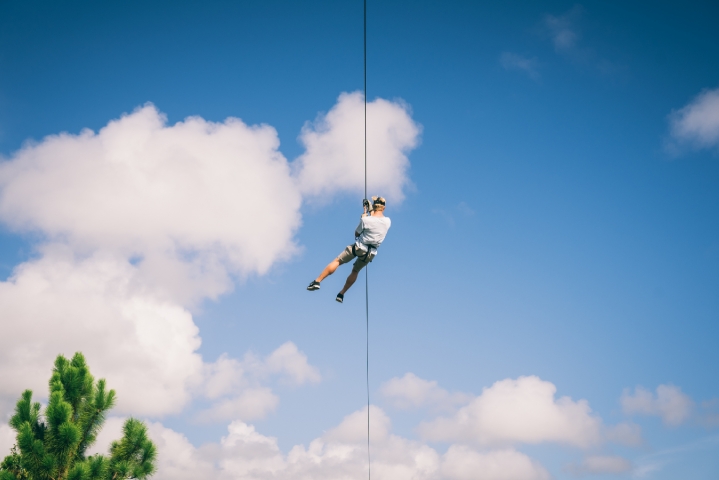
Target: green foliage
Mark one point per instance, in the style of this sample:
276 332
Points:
53 445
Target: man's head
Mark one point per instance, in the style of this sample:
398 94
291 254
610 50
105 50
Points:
378 204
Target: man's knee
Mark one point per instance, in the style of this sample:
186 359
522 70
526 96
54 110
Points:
358 266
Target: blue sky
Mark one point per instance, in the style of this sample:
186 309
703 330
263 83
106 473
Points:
559 222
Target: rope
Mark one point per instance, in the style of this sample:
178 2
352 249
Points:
365 98
366 279
366 271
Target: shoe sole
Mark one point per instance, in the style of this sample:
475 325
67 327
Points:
339 300
313 288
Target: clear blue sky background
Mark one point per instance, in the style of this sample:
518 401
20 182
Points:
549 232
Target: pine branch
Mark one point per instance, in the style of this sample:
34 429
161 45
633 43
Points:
92 416
52 446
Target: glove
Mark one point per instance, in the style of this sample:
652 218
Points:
365 203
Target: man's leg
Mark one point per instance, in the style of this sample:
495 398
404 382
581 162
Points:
351 279
329 270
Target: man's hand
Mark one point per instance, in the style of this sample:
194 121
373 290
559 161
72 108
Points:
366 207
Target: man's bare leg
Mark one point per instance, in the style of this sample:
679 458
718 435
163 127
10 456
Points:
351 279
329 270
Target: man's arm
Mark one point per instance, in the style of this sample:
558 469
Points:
360 227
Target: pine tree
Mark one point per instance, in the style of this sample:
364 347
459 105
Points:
53 445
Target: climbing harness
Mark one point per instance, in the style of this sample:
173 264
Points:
364 252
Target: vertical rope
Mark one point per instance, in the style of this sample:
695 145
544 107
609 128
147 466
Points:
366 279
366 271
365 99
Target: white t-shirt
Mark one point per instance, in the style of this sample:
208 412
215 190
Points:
372 230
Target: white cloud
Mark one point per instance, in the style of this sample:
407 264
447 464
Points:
601 464
141 220
334 143
144 346
250 404
288 361
463 463
340 454
518 411
226 375
411 391
669 403
353 429
175 198
239 383
178 459
7 439
697 124
513 61
111 431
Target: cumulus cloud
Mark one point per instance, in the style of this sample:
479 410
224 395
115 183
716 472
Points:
287 362
341 453
601 464
334 158
7 438
516 62
411 391
226 375
174 198
292 364
697 124
239 384
249 404
518 411
178 459
669 403
144 346
111 430
141 221
462 463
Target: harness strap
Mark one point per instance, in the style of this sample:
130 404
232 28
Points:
369 250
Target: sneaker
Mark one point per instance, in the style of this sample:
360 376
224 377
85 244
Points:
340 298
315 285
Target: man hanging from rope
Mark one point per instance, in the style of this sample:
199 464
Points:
369 234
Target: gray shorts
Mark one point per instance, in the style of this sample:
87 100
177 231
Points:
347 256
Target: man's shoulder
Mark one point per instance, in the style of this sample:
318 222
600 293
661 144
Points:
384 221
